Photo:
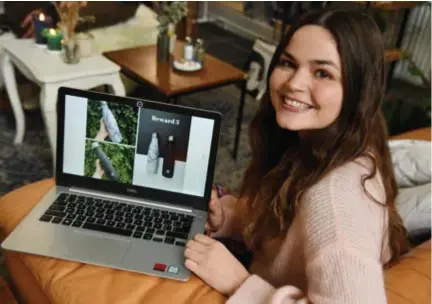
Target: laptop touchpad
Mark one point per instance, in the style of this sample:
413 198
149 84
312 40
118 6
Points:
98 248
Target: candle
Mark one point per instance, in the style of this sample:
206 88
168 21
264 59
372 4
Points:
41 22
54 38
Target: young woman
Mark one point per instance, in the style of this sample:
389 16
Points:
317 205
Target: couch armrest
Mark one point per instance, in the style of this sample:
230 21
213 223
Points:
420 134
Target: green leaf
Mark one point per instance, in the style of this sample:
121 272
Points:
414 71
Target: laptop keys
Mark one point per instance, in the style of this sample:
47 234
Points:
169 240
137 235
45 218
56 220
55 213
71 216
77 224
119 218
177 235
101 228
67 222
91 220
57 208
100 221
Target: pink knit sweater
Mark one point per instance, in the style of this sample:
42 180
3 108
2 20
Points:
332 253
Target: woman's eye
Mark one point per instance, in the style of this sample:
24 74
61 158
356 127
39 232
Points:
322 74
287 64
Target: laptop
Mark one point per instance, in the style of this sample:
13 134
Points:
133 182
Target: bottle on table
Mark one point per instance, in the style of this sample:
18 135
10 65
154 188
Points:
188 51
199 51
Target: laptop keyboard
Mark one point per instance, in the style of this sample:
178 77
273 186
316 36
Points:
124 219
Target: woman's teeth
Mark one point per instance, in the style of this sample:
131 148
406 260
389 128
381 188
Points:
296 104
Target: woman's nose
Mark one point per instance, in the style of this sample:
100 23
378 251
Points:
298 81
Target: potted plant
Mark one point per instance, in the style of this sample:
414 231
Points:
402 116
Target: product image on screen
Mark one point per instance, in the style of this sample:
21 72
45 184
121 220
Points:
119 121
100 139
108 161
172 150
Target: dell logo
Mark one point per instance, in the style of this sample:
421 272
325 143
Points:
167 121
131 190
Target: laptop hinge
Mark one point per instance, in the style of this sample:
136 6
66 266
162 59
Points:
128 199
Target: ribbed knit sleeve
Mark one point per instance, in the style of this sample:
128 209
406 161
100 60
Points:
342 232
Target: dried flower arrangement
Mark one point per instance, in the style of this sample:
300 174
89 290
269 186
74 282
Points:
68 12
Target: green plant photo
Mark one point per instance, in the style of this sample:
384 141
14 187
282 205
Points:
124 116
120 157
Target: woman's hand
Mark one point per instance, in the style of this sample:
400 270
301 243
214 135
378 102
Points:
219 209
99 172
216 216
102 133
214 264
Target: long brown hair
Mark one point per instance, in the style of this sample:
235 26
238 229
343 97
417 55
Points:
283 167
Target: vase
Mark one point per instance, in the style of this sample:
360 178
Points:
163 46
86 45
71 51
173 37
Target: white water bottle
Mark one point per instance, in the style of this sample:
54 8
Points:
111 124
153 155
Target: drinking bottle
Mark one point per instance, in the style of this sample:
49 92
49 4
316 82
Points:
168 163
111 123
105 163
153 155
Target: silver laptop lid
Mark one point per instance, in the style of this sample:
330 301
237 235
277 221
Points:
134 147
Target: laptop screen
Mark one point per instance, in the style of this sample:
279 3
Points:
138 146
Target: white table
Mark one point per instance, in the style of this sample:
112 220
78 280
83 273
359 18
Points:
50 73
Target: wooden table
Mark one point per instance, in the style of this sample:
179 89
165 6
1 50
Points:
141 65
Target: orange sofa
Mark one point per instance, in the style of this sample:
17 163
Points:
43 280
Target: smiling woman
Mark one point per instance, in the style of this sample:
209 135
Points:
317 205
306 85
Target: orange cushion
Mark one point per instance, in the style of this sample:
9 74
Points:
5 294
48 280
421 134
410 280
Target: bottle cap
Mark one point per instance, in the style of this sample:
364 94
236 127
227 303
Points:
171 138
199 41
154 134
188 39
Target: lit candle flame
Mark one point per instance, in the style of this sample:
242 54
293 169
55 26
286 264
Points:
41 17
52 31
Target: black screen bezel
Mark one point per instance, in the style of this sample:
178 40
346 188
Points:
70 180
